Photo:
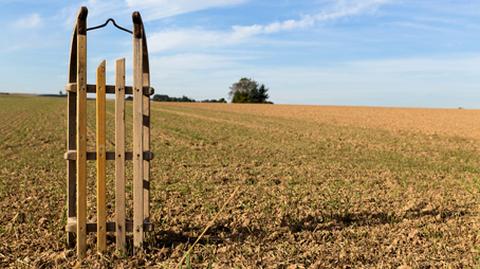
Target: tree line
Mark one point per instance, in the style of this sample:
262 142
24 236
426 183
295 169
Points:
246 90
184 99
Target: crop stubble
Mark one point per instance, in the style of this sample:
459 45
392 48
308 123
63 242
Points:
319 186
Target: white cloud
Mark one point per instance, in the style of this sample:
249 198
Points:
100 10
342 9
200 38
31 21
157 9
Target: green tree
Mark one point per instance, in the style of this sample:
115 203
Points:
247 90
263 94
240 97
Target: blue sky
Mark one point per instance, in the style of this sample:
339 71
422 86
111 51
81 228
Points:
415 53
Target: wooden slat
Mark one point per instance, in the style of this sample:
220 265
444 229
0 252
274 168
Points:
111 226
120 154
109 89
71 136
81 133
101 159
138 213
111 156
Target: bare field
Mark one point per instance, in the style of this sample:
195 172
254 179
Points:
319 187
448 122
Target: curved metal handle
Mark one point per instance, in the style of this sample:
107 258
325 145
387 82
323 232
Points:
114 24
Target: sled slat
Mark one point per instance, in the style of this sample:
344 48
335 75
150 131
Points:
138 213
81 133
120 154
101 160
71 137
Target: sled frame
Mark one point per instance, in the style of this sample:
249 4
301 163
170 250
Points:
77 156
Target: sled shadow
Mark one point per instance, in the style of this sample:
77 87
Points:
216 234
341 221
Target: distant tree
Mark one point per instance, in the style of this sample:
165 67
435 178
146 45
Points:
240 97
221 100
247 90
240 91
186 99
60 93
263 94
166 98
161 98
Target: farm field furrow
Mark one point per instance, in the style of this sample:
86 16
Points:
319 187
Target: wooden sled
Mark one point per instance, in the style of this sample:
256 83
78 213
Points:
77 155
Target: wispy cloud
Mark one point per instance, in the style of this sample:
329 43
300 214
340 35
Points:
31 21
341 9
182 38
151 10
158 9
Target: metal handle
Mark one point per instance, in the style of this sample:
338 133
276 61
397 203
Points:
114 24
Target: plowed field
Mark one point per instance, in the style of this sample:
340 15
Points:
344 187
